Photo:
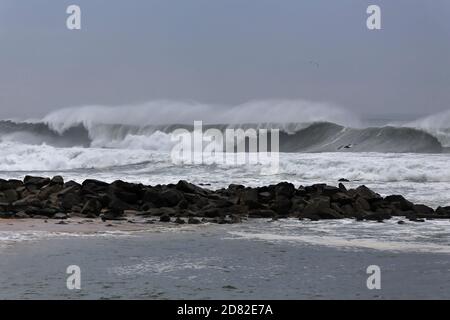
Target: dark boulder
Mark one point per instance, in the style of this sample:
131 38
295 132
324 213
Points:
165 218
422 209
91 208
443 211
416 219
342 198
399 202
282 205
194 221
21 215
319 207
48 190
171 198
187 187
328 213
235 187
265 196
37 182
330 190
57 180
29 201
366 193
180 221
285 189
163 198
72 183
9 196
316 205
210 212
249 198
10 184
69 199
361 204
112 216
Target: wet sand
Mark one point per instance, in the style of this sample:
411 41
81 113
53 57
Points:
79 225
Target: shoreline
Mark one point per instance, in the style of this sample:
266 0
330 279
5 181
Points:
77 225
177 265
42 199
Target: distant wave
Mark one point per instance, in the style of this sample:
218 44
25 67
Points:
304 127
294 137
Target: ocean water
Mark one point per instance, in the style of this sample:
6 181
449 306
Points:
256 260
287 259
422 177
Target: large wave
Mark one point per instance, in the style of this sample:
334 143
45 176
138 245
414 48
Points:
304 127
436 124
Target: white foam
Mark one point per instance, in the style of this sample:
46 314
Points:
436 124
168 265
431 236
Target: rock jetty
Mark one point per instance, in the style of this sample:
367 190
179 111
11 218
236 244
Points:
53 198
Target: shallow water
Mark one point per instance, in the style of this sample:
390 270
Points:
255 260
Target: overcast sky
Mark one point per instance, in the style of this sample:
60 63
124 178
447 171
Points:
225 52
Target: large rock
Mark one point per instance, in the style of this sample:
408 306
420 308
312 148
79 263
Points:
165 218
171 198
163 198
285 189
10 184
29 201
9 196
366 193
37 182
330 190
399 202
282 205
57 180
211 212
422 209
250 198
361 204
48 190
69 197
91 208
319 208
187 187
443 211
342 198
194 221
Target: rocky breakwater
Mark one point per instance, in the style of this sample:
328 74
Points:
52 198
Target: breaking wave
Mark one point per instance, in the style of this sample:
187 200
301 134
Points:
304 127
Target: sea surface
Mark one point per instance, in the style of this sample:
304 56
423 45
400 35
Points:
256 260
286 259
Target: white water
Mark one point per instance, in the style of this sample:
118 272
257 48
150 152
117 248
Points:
422 178
432 236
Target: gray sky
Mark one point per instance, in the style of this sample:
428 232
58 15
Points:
225 52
